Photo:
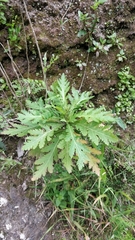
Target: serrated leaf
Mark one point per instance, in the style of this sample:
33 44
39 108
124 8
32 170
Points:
93 163
97 115
26 117
37 105
64 156
63 88
94 151
19 130
62 129
78 99
97 133
82 126
38 139
92 160
45 163
77 148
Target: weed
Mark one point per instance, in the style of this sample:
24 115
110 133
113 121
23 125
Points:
121 226
64 128
126 97
14 29
103 44
121 56
46 65
3 84
7 163
32 88
21 89
97 3
100 46
88 24
3 124
83 17
114 40
94 206
80 64
3 19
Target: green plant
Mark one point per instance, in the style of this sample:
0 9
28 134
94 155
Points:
121 56
114 40
14 29
103 44
3 84
88 24
3 19
59 187
21 89
52 61
97 3
3 124
100 46
121 226
64 128
15 90
7 163
126 97
83 17
93 205
69 191
32 87
80 64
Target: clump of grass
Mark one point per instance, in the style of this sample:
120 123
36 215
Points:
95 207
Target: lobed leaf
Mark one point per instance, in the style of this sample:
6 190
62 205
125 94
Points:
97 115
45 163
63 88
77 148
97 133
78 100
19 130
93 163
64 155
82 126
37 105
29 117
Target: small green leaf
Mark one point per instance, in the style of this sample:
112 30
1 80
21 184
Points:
81 33
121 123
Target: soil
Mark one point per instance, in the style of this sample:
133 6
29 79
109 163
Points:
55 25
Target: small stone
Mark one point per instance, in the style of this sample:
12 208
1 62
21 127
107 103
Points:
3 202
8 226
2 236
22 236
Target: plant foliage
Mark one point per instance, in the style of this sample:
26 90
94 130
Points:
64 128
3 19
126 96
